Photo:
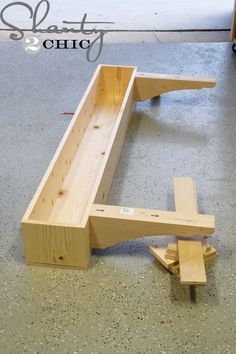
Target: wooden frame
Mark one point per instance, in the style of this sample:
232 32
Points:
67 216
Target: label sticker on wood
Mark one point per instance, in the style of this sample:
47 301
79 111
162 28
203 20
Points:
127 211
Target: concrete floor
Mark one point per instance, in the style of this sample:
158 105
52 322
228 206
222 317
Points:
137 15
162 14
125 302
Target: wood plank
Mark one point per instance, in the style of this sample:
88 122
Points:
72 180
172 249
185 195
191 263
150 85
210 256
113 224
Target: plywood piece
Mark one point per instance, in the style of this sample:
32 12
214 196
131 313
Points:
191 263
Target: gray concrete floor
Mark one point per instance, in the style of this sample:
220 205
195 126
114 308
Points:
125 302
138 15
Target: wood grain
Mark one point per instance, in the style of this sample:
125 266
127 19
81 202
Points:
151 85
191 263
109 225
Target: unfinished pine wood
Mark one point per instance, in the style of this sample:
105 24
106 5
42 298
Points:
207 259
191 263
64 221
172 248
76 186
110 225
210 258
185 195
159 254
205 246
152 85
55 244
76 173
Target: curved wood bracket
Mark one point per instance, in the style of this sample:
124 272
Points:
147 85
113 224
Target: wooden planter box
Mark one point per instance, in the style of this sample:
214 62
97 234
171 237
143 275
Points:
68 215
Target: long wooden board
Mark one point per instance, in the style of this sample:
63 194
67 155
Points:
191 263
113 224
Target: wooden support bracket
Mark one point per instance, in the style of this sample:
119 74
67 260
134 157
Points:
115 224
67 215
152 85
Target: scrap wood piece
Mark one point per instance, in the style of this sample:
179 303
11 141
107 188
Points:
185 195
205 245
172 251
172 248
159 254
210 256
191 263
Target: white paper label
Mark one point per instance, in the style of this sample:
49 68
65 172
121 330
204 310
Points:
127 211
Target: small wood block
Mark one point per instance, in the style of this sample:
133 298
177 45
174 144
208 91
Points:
208 259
210 251
175 268
191 263
205 245
174 257
172 251
172 248
159 254
210 255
